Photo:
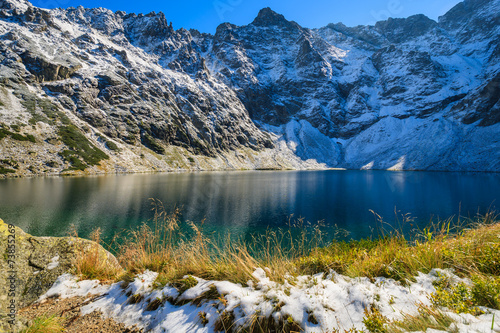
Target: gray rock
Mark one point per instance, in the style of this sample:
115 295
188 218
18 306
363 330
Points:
30 266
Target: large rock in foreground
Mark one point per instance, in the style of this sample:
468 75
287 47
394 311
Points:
30 265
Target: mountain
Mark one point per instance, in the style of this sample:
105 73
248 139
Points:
93 91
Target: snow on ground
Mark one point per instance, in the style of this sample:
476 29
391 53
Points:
334 301
67 286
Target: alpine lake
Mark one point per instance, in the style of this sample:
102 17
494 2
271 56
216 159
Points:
342 203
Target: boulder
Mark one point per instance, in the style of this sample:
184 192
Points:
30 265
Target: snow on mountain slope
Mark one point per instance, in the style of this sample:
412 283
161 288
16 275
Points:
105 91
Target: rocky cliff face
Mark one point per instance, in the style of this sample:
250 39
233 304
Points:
90 90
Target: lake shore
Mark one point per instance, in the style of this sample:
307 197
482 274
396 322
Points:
389 284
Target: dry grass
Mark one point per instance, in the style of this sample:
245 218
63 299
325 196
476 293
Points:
165 249
426 318
468 251
46 324
90 261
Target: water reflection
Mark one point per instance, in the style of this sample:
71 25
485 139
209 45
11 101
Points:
243 202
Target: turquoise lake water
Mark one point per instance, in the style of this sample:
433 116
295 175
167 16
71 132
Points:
245 203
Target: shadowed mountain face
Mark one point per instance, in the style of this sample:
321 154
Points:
106 91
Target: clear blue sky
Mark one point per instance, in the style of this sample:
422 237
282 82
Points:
206 15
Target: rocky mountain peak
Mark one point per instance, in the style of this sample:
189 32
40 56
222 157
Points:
401 29
486 15
13 7
267 17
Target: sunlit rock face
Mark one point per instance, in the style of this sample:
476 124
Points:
403 94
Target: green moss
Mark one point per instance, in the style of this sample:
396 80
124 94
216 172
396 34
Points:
82 152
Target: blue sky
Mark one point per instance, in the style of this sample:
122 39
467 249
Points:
206 15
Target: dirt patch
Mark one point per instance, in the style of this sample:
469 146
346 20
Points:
74 322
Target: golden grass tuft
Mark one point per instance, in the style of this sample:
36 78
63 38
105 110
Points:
46 324
165 249
91 261
427 318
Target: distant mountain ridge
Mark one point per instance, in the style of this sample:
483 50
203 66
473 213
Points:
91 90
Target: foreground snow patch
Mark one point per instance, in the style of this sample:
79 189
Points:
320 303
67 286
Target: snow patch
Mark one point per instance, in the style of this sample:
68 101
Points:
335 301
54 262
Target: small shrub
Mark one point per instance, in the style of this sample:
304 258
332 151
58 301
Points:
73 159
486 291
16 136
457 298
152 144
52 164
4 171
374 321
185 284
10 162
112 146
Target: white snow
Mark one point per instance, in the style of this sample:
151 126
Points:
336 301
67 286
54 262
